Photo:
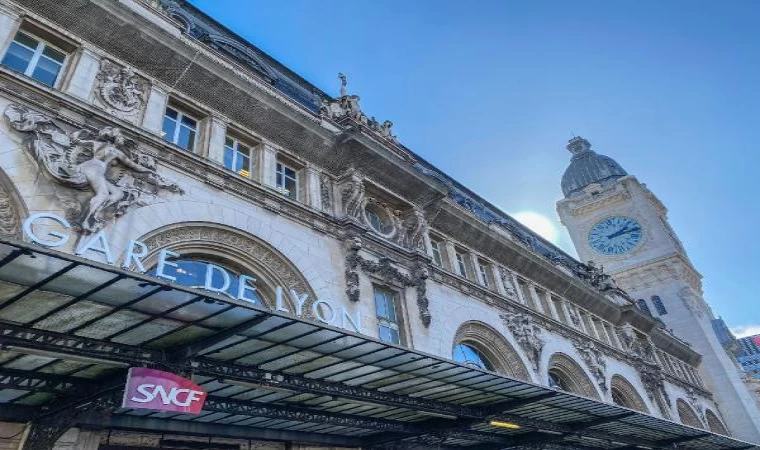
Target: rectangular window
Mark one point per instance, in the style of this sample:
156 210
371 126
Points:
435 247
527 294
461 263
387 318
238 157
287 181
483 269
559 309
180 129
34 58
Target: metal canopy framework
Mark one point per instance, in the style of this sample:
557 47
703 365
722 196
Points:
69 328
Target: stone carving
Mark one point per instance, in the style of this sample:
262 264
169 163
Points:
385 270
596 277
594 360
653 381
691 396
509 287
10 218
414 230
352 196
324 192
692 302
120 91
348 106
106 163
635 345
527 333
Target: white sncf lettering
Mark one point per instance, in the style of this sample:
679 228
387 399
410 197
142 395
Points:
176 396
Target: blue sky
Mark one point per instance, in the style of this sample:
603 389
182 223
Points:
490 92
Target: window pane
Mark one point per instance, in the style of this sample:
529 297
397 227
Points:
171 113
186 138
46 71
228 154
228 142
168 128
27 40
54 54
188 122
290 172
279 180
380 306
244 149
290 185
243 165
17 57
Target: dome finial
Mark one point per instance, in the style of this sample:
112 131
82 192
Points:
578 145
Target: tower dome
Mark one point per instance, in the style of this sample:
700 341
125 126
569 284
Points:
588 167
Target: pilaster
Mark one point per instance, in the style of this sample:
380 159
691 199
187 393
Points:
313 190
268 166
82 79
9 23
217 135
153 120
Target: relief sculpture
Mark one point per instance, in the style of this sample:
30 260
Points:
105 165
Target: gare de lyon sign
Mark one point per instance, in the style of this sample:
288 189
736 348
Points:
96 246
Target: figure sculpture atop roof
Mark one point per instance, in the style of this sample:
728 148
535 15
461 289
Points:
343 84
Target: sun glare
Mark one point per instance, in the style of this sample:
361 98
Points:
538 223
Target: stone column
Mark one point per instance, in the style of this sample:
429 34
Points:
268 166
313 191
519 291
217 135
82 78
153 120
9 21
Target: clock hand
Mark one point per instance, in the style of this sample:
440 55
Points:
623 231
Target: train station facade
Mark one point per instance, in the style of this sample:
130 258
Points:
175 201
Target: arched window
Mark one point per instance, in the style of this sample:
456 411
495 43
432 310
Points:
469 355
643 306
715 425
565 374
478 345
658 305
192 272
624 394
687 415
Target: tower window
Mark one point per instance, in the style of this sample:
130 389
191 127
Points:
642 304
34 58
658 305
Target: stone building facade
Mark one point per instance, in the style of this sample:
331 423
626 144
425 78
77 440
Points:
147 121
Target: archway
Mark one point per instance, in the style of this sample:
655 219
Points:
687 415
477 344
624 394
12 209
715 424
565 374
236 251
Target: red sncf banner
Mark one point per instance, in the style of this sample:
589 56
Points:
162 391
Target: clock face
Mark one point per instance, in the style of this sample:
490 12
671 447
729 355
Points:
615 235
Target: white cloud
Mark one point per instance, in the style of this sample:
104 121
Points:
746 330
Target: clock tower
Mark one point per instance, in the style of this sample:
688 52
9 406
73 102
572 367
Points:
617 222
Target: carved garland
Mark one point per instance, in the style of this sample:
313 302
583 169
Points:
384 269
594 360
527 333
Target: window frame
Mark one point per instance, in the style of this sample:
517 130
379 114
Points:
181 113
235 150
483 268
659 306
436 251
460 258
398 324
37 54
296 175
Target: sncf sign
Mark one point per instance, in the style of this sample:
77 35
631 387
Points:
162 391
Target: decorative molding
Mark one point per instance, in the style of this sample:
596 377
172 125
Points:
653 381
10 205
594 359
495 347
106 163
352 195
384 270
527 333
120 91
